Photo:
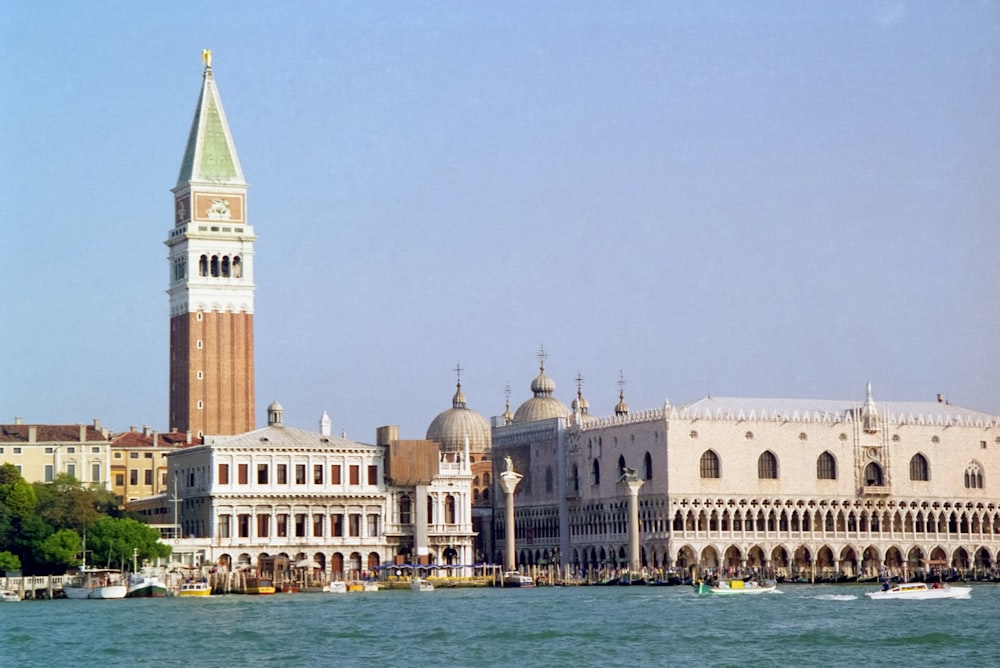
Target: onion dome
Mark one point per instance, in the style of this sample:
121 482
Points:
621 408
580 406
450 428
542 405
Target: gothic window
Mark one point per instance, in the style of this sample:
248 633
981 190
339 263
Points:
647 465
597 472
767 466
873 475
576 478
973 476
709 465
621 464
203 265
548 480
215 266
918 467
826 467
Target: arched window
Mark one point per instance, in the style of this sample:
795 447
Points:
215 266
597 472
449 509
647 465
225 266
576 478
709 464
873 475
430 509
973 476
826 467
918 467
548 479
621 464
203 265
237 267
767 466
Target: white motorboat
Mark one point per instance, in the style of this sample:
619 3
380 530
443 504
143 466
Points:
100 583
337 587
514 579
420 584
9 595
919 591
736 587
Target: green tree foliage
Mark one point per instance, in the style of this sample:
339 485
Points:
17 497
9 562
59 550
66 503
111 540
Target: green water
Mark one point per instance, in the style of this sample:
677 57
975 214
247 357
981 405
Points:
801 625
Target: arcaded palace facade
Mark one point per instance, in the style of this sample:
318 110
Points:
808 488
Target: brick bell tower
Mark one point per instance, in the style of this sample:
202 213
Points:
211 280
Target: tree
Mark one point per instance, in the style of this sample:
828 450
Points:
60 550
17 497
66 503
111 540
9 562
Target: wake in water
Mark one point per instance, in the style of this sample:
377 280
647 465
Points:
836 597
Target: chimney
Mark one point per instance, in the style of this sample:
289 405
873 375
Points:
940 398
32 433
145 430
97 424
17 420
156 439
83 433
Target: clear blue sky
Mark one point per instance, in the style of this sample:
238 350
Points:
764 199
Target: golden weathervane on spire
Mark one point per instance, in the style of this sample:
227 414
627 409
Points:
206 57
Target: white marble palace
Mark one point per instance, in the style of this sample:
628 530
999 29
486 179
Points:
349 507
808 488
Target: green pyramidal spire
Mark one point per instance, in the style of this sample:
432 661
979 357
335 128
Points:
210 155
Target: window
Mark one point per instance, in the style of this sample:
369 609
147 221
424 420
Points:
335 474
873 475
119 479
318 476
133 476
354 524
372 474
373 525
224 527
548 479
337 526
71 450
300 525
281 525
355 472
300 474
118 455
918 467
242 473
826 467
133 455
973 476
647 464
449 509
595 471
261 474
223 474
318 525
243 522
405 510
282 474
49 473
148 476
263 524
576 478
95 473
709 465
767 466
49 450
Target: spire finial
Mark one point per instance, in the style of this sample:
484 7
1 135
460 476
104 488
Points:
206 57
621 384
458 371
541 357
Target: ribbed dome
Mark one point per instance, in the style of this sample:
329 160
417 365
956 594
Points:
450 428
543 405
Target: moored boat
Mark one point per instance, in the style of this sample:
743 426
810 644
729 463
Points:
145 582
731 587
919 591
259 586
96 583
194 588
420 584
514 579
337 587
9 595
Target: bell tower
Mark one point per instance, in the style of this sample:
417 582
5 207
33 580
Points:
211 289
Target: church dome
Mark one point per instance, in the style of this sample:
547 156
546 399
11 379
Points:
542 405
450 428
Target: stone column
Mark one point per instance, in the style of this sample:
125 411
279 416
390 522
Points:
508 482
633 524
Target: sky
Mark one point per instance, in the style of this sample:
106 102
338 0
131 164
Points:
760 199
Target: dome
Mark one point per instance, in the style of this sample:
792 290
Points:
450 428
543 405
